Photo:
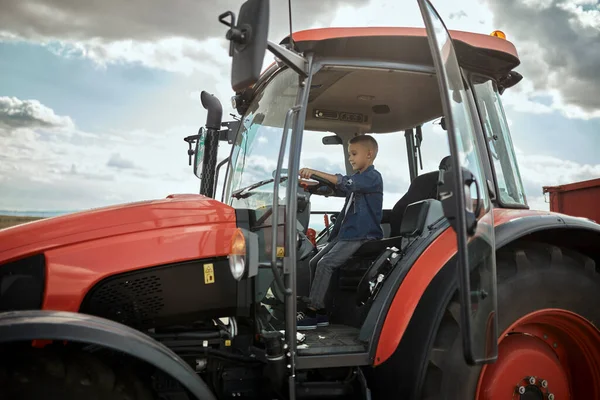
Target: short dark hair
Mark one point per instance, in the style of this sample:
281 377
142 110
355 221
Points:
366 140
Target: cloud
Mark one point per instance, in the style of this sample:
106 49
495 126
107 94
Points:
143 20
175 54
118 162
18 114
542 170
458 15
183 37
468 15
539 170
178 36
71 171
556 41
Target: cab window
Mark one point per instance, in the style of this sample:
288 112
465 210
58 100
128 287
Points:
493 119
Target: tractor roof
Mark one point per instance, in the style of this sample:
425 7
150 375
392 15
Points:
477 52
350 100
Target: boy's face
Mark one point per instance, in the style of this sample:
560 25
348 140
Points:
360 156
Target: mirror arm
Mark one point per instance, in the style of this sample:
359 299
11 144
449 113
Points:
290 58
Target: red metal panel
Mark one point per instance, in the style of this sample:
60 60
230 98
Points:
176 211
579 199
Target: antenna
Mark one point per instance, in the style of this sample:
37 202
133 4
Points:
292 44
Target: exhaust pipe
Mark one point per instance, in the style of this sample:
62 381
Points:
211 143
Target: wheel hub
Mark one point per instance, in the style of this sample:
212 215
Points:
533 388
547 355
521 360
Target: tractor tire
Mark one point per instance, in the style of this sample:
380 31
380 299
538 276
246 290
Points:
41 373
531 277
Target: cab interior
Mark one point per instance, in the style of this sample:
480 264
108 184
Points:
350 101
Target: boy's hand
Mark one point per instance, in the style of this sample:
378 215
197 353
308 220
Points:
306 173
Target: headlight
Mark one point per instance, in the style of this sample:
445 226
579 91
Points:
237 255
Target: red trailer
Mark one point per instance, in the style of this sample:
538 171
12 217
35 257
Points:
579 199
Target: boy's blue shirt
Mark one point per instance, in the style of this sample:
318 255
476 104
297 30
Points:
363 219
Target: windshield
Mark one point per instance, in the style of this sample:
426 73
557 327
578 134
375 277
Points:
500 145
257 144
249 183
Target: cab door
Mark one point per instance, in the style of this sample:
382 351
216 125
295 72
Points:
466 200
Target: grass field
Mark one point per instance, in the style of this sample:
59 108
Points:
11 220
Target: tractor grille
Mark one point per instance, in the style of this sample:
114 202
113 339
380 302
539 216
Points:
167 294
124 300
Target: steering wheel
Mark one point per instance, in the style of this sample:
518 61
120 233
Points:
322 181
324 188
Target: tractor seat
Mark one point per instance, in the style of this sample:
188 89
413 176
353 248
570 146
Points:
423 187
417 218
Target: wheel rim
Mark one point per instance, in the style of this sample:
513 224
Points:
549 354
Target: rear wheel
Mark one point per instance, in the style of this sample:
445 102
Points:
36 373
549 347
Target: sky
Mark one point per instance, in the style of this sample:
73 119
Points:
96 97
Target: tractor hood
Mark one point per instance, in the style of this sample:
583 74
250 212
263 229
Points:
173 211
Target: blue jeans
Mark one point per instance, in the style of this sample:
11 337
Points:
337 253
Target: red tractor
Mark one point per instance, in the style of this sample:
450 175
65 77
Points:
470 295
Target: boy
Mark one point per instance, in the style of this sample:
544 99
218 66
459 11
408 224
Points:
358 222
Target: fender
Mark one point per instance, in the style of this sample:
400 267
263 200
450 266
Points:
519 227
510 224
60 325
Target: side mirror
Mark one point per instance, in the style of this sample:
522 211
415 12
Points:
448 199
199 153
248 42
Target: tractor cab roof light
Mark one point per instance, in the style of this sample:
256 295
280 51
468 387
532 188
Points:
499 34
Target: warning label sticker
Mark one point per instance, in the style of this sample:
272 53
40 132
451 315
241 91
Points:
209 273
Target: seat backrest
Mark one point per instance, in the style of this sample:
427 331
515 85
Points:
423 187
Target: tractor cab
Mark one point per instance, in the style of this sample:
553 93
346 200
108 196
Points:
425 94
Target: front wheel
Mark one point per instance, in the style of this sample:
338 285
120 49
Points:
549 344
45 373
